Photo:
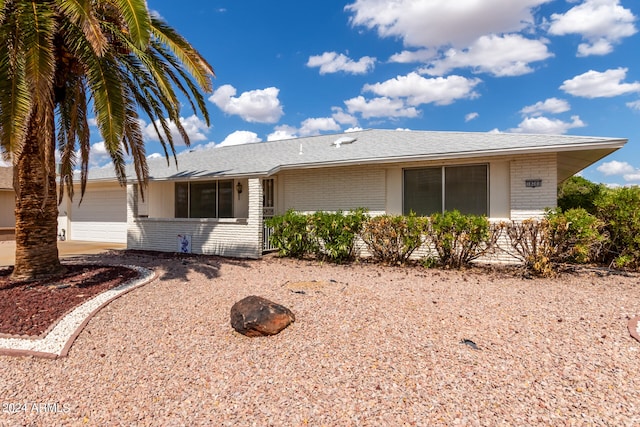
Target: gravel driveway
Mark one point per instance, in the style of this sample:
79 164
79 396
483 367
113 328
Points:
371 346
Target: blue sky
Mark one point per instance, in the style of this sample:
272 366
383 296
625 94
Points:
297 68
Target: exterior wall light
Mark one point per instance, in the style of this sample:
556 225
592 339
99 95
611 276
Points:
239 188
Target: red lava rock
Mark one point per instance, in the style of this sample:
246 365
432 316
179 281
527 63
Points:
255 316
32 308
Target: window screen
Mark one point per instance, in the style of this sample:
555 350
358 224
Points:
213 199
182 200
203 200
431 190
465 189
225 199
423 191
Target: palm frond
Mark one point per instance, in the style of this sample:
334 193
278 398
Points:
80 13
193 91
136 16
144 61
104 81
72 127
134 143
37 30
15 104
195 63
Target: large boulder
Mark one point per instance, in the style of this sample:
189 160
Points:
255 316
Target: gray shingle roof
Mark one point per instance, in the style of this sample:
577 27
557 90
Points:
370 146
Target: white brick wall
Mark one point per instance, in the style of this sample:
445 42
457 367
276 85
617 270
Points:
332 189
328 189
241 238
531 202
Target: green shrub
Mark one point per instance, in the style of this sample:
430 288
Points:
393 238
459 239
291 234
572 236
619 210
335 233
575 236
529 239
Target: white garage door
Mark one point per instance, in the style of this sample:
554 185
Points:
102 216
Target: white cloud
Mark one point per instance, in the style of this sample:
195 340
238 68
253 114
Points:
283 132
551 106
332 62
544 125
314 126
507 55
594 84
380 107
410 56
635 105
438 23
471 116
98 155
194 126
239 137
615 167
420 90
255 106
602 23
632 177
342 117
600 47
155 156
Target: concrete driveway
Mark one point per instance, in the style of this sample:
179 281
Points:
66 249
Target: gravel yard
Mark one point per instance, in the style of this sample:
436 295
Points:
371 346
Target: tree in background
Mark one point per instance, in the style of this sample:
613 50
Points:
619 210
58 59
578 192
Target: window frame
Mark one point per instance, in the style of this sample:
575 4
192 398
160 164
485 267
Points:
179 209
443 184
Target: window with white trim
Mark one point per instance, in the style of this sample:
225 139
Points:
446 188
204 199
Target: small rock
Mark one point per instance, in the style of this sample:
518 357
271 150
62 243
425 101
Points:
255 316
470 344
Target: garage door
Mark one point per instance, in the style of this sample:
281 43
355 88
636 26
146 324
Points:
102 216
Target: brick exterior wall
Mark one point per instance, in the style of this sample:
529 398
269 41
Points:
531 202
239 238
328 189
337 188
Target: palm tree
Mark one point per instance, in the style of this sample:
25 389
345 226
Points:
58 60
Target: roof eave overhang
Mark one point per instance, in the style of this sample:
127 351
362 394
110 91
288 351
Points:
609 146
187 177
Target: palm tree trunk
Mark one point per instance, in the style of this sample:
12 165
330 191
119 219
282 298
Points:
36 210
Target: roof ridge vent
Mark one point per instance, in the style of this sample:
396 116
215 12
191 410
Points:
343 140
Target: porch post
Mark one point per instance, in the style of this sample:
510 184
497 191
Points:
255 220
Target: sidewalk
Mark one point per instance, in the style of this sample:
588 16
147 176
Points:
66 249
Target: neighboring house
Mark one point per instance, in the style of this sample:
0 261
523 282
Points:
215 201
7 201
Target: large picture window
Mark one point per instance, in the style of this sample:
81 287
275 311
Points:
447 188
210 199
